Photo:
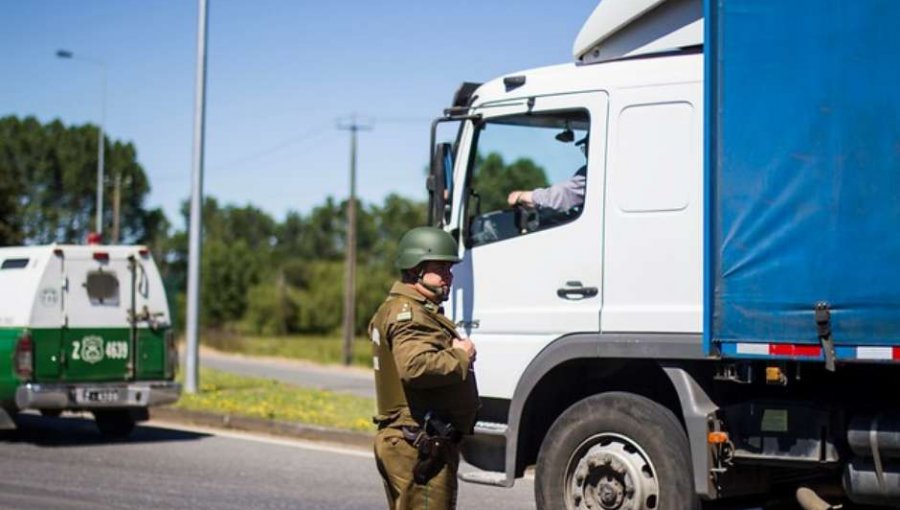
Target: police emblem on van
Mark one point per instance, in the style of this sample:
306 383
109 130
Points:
92 349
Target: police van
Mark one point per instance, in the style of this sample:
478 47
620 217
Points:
84 328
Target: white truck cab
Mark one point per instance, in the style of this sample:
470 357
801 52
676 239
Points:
646 345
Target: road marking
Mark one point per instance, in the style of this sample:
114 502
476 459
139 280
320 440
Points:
293 443
246 436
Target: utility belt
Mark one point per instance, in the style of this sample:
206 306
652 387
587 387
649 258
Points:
435 442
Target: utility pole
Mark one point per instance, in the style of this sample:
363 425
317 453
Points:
192 366
350 276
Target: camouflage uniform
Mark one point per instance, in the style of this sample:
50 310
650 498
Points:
416 371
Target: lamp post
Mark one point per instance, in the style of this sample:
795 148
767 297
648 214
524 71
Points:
69 55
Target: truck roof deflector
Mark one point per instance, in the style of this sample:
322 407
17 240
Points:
630 28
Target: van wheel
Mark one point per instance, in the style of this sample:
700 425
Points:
115 423
615 451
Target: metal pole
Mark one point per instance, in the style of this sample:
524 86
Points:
100 155
349 323
117 206
191 375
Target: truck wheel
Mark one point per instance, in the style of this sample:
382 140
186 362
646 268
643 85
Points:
115 423
615 451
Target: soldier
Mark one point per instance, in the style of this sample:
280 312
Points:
424 378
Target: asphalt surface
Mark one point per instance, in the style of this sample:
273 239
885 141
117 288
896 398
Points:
62 463
356 381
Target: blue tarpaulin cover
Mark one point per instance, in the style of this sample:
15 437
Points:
804 169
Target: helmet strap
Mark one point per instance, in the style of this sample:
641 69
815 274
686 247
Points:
439 291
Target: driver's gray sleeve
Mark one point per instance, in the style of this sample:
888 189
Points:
562 196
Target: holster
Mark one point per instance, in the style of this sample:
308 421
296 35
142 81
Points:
433 443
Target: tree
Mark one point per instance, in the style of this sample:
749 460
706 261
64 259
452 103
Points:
494 179
51 169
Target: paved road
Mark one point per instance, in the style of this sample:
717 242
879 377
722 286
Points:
356 381
62 463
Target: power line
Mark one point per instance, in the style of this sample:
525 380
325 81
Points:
283 144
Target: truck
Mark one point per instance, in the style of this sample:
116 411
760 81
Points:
84 328
716 321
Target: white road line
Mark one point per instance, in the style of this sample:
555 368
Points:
258 438
293 443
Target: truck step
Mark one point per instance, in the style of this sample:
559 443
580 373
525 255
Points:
488 428
494 478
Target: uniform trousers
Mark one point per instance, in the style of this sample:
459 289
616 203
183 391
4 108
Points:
396 457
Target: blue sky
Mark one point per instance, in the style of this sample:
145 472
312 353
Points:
280 76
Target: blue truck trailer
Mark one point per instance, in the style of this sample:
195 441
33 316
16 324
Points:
716 319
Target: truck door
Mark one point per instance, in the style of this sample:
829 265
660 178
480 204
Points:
529 274
96 339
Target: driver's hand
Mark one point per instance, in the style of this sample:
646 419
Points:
519 197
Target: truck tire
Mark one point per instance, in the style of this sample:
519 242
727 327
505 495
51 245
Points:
615 451
115 424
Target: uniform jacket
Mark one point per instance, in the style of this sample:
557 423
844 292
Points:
416 367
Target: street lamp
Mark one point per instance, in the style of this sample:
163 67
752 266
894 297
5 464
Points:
69 55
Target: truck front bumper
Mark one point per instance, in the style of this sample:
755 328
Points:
97 395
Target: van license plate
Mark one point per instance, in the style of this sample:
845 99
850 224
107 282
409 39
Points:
100 396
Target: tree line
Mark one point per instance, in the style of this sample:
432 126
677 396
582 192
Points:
259 275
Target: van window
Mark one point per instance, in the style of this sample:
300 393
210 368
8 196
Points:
103 288
14 264
540 158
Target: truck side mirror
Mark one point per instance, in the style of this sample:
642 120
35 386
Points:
438 190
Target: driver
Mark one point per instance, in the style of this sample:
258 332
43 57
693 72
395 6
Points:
560 196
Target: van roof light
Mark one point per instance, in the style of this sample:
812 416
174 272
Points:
94 238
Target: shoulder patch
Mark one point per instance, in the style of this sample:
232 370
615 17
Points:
404 315
376 336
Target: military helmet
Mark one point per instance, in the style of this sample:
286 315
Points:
423 244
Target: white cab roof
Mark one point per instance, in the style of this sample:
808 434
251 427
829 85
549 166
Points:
629 28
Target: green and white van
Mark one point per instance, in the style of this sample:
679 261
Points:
84 328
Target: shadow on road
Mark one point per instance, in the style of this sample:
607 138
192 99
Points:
81 431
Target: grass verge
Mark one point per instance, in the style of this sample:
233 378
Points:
320 349
225 393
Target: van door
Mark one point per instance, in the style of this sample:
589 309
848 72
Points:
149 320
97 337
529 274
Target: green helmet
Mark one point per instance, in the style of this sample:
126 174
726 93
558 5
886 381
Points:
422 244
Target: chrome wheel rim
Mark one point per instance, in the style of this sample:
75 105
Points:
611 472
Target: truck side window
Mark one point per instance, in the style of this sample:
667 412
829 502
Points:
102 288
537 162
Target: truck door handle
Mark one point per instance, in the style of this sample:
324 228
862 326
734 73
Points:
575 290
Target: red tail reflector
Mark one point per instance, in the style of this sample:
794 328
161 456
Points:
144 252
23 359
101 256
